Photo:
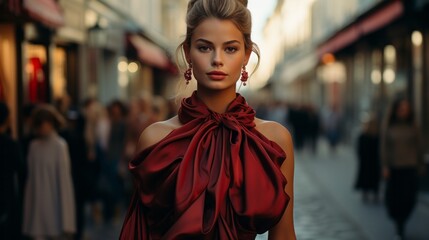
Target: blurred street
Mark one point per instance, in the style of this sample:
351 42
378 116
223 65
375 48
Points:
333 175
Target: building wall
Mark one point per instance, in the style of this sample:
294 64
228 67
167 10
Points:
8 72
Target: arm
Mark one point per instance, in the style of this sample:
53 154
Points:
285 230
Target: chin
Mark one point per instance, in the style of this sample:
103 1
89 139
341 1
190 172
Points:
217 85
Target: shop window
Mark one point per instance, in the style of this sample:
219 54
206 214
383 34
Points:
36 86
417 61
394 72
389 73
376 60
59 82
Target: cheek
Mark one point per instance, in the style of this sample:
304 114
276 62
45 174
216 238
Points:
200 65
237 65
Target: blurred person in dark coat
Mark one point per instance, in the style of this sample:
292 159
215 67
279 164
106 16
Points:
11 167
49 206
368 153
298 120
313 127
74 136
111 183
402 160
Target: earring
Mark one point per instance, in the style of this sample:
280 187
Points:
188 74
244 76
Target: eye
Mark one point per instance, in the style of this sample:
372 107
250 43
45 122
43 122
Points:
204 48
231 49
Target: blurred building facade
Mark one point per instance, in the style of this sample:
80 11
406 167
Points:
103 49
356 55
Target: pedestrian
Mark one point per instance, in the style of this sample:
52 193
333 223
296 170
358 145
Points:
11 167
401 155
332 126
75 138
313 128
95 133
49 208
368 154
111 184
214 171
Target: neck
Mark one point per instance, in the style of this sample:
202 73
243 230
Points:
217 101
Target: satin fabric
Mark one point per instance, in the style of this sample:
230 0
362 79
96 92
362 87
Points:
216 177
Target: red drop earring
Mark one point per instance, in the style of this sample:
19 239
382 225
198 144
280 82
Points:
244 76
188 74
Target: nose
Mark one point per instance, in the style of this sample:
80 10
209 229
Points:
217 59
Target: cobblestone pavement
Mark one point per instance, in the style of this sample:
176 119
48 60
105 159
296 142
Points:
316 216
334 174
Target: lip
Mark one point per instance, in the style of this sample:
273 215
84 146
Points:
217 75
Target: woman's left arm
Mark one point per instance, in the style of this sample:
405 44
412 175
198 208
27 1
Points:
285 230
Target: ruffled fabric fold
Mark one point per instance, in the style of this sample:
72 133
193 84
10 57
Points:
216 177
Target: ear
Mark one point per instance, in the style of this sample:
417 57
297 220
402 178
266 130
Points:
247 56
186 49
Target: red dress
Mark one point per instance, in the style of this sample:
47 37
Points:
216 177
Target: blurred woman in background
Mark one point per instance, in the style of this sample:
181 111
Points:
49 207
402 160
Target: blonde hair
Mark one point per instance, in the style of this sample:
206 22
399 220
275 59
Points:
235 11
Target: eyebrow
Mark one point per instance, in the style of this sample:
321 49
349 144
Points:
225 43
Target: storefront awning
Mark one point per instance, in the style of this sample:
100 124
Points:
47 12
360 28
149 53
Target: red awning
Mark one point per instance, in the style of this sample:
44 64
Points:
149 53
47 12
362 27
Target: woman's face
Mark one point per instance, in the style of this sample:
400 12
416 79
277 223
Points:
217 54
403 110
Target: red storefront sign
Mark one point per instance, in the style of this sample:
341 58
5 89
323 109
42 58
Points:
47 12
149 53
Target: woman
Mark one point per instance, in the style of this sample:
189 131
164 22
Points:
369 170
49 207
214 171
401 155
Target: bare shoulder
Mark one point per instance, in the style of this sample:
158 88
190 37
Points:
275 132
156 132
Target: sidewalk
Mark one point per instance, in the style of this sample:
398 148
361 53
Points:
335 174
315 215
